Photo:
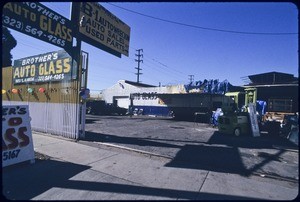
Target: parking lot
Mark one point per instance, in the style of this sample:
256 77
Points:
196 146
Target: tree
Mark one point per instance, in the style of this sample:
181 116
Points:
8 43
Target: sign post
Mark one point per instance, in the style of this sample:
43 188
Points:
253 120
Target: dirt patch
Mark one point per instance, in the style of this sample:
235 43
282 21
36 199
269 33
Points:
39 156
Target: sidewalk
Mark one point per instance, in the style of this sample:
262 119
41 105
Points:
76 171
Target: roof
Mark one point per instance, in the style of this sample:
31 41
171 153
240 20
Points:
272 78
186 95
271 85
234 93
138 84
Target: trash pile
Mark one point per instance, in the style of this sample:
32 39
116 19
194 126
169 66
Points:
290 128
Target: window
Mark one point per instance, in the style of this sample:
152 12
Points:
280 105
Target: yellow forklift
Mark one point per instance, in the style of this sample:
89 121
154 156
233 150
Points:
240 117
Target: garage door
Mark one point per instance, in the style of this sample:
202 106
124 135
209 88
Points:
123 102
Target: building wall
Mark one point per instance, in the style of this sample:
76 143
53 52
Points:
55 111
146 98
161 100
280 94
121 91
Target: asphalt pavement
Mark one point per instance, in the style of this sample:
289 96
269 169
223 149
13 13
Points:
197 145
70 170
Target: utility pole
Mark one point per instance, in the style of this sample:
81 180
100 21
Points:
191 78
139 55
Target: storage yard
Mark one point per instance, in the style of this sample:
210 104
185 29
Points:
105 135
196 146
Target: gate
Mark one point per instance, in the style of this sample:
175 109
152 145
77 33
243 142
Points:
56 97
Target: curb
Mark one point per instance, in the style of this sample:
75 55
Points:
133 150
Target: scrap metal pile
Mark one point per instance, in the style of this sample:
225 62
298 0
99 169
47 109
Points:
212 86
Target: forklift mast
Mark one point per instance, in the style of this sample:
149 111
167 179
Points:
241 99
250 96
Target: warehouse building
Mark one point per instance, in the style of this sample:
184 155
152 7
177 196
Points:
141 96
180 100
278 90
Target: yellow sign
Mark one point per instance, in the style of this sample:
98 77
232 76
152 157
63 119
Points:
52 66
98 24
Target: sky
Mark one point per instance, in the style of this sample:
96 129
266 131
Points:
173 51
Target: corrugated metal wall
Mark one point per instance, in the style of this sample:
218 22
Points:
53 118
56 111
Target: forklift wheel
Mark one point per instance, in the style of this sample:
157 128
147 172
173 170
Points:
237 132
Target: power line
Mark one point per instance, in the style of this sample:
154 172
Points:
175 73
108 67
166 73
204 28
162 68
155 60
166 67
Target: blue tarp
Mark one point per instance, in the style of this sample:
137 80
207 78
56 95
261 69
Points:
261 107
215 116
210 86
